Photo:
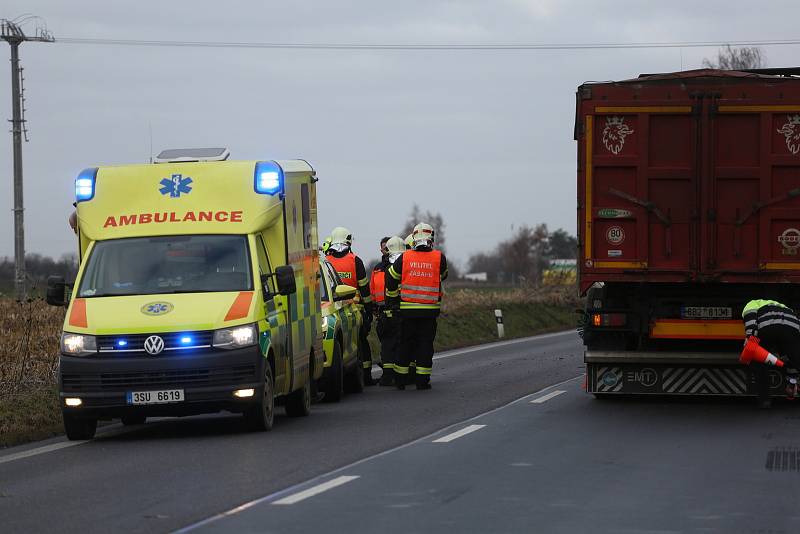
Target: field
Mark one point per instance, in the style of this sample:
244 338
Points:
29 337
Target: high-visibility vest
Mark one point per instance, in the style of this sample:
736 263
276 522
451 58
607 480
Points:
420 283
346 267
377 286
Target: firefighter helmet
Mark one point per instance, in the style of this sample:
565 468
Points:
326 244
341 236
423 235
395 245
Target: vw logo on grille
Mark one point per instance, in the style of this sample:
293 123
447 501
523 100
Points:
153 345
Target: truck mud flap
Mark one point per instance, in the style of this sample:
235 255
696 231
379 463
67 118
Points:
664 379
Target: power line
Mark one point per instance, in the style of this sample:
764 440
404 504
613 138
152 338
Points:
422 46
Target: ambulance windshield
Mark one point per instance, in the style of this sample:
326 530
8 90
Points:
171 264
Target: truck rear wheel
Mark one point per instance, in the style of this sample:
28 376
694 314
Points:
261 416
79 428
298 403
334 386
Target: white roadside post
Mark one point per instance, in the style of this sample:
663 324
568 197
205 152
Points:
498 315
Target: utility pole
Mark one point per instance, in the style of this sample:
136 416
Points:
12 33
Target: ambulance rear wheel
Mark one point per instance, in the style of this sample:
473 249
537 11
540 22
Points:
334 386
298 403
79 428
261 416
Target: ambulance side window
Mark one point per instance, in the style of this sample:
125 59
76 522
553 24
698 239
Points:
263 263
305 200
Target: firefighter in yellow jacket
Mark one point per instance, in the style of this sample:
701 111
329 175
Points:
414 287
353 273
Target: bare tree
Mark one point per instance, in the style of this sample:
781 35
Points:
434 219
744 58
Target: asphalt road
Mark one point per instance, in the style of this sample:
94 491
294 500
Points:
172 474
560 461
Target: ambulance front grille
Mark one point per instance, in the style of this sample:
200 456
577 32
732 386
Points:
162 379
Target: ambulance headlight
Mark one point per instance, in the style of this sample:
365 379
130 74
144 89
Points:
78 344
268 178
235 338
84 185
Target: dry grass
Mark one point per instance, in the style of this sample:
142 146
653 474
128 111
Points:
466 298
29 337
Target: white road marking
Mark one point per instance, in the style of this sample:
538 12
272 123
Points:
455 435
496 344
272 496
316 490
39 450
547 397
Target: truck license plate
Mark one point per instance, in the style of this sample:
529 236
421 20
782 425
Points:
706 312
155 397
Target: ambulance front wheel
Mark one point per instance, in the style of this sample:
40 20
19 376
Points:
79 428
261 416
334 386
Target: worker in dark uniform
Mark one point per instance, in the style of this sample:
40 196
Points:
414 286
352 272
388 327
777 329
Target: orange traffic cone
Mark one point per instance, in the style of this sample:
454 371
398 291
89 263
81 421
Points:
755 352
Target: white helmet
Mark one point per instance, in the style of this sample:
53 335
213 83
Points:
423 235
341 236
395 245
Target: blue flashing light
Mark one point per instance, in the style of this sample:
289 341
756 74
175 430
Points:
186 340
84 184
122 343
268 178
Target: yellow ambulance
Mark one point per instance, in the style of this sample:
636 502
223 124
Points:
198 291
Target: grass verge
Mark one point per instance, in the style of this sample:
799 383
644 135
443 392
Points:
29 416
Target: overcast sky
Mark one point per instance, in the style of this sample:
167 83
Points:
484 137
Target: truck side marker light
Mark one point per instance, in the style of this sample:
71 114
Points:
77 317
240 307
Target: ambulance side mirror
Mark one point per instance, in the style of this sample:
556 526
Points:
344 292
284 279
56 291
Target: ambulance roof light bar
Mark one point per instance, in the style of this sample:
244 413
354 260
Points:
182 155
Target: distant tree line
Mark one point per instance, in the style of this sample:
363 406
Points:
523 257
38 268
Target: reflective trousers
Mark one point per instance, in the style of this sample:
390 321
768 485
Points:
389 334
366 351
780 340
417 337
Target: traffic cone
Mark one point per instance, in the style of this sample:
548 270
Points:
754 352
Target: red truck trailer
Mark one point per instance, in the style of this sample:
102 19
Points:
688 207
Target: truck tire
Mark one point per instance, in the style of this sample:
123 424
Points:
79 428
298 403
262 416
130 420
354 382
334 386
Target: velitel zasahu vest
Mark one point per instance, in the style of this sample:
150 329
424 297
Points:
420 284
346 267
377 286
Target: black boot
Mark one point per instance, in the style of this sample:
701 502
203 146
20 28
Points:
423 383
